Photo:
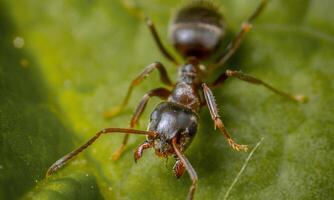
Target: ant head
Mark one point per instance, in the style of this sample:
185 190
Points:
197 30
170 120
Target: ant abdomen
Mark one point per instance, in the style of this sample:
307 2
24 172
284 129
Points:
197 30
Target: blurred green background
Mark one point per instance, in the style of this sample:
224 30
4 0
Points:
63 63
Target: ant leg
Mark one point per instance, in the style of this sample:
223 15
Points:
210 101
117 154
62 161
235 43
189 168
178 168
147 71
157 40
139 151
158 92
256 81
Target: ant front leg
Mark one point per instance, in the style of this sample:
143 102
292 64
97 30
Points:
256 81
158 92
191 171
210 101
147 71
157 40
235 43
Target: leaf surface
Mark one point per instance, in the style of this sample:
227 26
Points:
77 61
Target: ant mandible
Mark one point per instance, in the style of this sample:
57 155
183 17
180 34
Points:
196 32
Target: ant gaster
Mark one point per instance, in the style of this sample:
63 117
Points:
195 32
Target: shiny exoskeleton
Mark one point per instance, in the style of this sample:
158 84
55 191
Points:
171 120
196 32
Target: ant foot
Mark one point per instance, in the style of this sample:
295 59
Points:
237 147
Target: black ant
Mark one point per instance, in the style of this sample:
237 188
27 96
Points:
196 32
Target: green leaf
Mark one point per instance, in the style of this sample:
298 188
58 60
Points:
77 61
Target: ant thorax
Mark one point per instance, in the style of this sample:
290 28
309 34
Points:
185 91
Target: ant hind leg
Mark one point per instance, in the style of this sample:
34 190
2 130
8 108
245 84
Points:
158 42
233 46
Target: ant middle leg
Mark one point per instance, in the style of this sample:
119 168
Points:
235 43
157 40
256 81
158 92
210 101
147 71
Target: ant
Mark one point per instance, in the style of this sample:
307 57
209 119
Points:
196 32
